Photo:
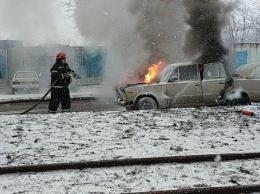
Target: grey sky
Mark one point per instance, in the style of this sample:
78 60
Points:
36 22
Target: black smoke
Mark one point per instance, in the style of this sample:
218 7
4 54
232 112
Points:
206 19
160 27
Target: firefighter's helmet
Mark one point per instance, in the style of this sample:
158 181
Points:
60 56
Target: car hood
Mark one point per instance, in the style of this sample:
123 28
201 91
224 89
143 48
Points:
137 84
246 70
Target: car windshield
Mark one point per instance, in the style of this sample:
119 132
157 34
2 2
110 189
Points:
234 73
25 75
165 74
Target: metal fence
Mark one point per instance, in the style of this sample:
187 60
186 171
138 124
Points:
88 62
244 53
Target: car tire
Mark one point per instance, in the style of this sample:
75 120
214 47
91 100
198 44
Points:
243 100
146 103
238 102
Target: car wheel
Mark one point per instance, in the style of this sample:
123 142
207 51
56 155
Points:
237 102
146 103
243 100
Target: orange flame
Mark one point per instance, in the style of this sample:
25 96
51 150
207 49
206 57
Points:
153 72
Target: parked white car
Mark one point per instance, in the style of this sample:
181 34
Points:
25 82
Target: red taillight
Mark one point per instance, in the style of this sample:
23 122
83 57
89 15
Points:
130 92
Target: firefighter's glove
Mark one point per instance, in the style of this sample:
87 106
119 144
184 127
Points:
76 76
65 75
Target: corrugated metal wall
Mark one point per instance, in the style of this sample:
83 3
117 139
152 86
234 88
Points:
2 68
2 64
244 53
88 62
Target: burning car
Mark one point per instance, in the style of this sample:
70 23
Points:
190 84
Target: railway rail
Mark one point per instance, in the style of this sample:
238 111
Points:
151 161
209 190
129 162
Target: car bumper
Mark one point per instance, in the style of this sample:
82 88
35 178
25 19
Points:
25 86
123 103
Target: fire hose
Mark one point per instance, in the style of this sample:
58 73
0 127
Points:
26 111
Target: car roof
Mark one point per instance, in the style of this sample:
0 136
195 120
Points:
180 64
191 63
25 72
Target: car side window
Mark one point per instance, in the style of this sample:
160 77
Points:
174 76
213 71
189 72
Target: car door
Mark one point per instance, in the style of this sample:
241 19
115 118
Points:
213 82
184 86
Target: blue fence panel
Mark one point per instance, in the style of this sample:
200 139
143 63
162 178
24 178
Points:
240 58
93 65
81 65
96 65
2 65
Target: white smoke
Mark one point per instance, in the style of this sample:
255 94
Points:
235 94
109 23
133 31
34 22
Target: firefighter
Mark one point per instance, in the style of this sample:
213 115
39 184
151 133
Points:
61 73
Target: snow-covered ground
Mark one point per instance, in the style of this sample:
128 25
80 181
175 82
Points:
82 91
44 139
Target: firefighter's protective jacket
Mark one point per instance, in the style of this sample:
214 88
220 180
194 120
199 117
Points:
61 72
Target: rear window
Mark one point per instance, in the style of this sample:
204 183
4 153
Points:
213 71
25 75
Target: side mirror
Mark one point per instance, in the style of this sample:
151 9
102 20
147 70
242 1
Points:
173 78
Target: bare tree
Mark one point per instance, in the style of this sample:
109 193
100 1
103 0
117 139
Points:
69 6
244 26
245 22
